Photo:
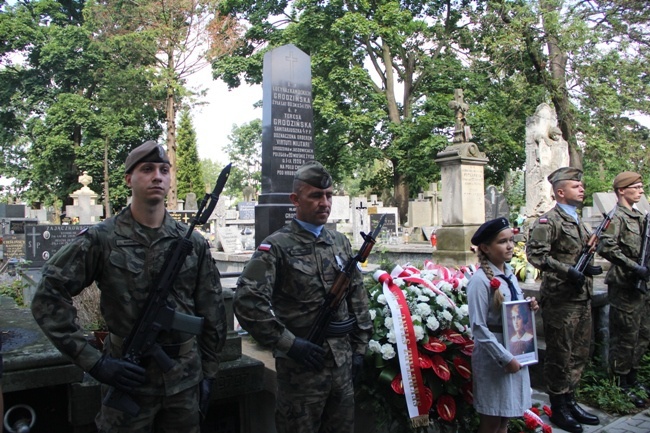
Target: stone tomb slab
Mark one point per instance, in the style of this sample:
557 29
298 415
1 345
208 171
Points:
340 208
42 241
230 239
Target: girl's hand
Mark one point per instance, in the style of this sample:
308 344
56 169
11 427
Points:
534 306
513 366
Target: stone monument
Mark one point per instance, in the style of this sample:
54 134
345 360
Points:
287 134
85 206
463 210
546 151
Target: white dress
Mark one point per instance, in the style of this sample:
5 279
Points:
496 392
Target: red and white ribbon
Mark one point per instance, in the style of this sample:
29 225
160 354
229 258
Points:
407 350
411 274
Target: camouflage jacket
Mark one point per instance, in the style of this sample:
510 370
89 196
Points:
620 244
119 256
554 245
282 287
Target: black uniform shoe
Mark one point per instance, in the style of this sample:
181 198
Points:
561 415
581 415
626 387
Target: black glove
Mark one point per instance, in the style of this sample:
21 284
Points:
357 367
205 395
591 271
576 276
307 353
642 272
116 372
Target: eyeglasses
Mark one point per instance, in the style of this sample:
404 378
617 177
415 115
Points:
635 187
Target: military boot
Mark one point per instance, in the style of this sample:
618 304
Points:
581 415
627 389
561 415
634 382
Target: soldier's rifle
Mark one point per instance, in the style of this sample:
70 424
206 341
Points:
589 249
642 283
159 314
323 326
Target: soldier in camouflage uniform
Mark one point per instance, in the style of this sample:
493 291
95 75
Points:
629 327
554 244
278 297
123 255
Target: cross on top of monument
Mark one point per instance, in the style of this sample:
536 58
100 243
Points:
292 62
462 133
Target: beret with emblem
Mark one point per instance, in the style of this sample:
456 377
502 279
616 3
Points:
488 230
149 151
565 173
314 174
627 178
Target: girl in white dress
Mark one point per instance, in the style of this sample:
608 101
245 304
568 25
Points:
501 384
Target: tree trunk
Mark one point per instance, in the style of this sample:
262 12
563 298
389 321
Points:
401 194
172 197
107 202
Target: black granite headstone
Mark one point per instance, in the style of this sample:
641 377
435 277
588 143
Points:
287 134
390 223
246 210
42 241
12 210
496 205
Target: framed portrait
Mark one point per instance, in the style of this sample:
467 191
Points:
519 334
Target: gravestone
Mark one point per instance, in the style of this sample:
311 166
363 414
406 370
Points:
496 205
546 151
340 208
287 134
85 206
186 217
42 241
13 246
190 202
230 239
246 210
390 223
461 168
12 210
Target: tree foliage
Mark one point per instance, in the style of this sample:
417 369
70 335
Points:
190 176
245 153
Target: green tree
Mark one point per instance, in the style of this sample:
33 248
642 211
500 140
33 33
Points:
62 104
210 170
180 37
190 176
245 152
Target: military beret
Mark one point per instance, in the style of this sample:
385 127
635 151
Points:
488 230
314 174
627 178
149 151
565 173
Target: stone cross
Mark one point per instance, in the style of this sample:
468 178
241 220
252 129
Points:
462 133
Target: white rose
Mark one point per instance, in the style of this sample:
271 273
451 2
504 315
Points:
447 315
423 298
387 351
374 346
388 322
424 309
432 323
391 337
373 314
463 310
381 299
419 332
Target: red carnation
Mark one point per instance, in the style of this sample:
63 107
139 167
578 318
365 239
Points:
495 283
547 410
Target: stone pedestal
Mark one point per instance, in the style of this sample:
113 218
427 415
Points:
463 210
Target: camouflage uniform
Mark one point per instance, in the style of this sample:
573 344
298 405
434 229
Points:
277 299
554 244
629 326
124 258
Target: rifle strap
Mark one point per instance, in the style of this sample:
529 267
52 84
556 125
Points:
172 350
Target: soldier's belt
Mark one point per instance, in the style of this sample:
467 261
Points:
342 328
172 350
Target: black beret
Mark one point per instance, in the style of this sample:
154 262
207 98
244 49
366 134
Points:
565 173
488 230
314 174
149 151
625 179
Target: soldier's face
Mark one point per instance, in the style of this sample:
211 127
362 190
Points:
149 181
632 194
572 193
501 248
313 205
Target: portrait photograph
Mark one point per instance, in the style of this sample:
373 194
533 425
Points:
519 335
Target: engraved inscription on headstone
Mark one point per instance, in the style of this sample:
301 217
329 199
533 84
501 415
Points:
246 210
14 246
496 205
42 241
390 223
230 239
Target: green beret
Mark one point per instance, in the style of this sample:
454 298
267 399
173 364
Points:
314 174
489 230
627 178
565 173
149 151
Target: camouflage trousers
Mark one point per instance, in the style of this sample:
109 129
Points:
629 336
567 333
314 402
159 414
